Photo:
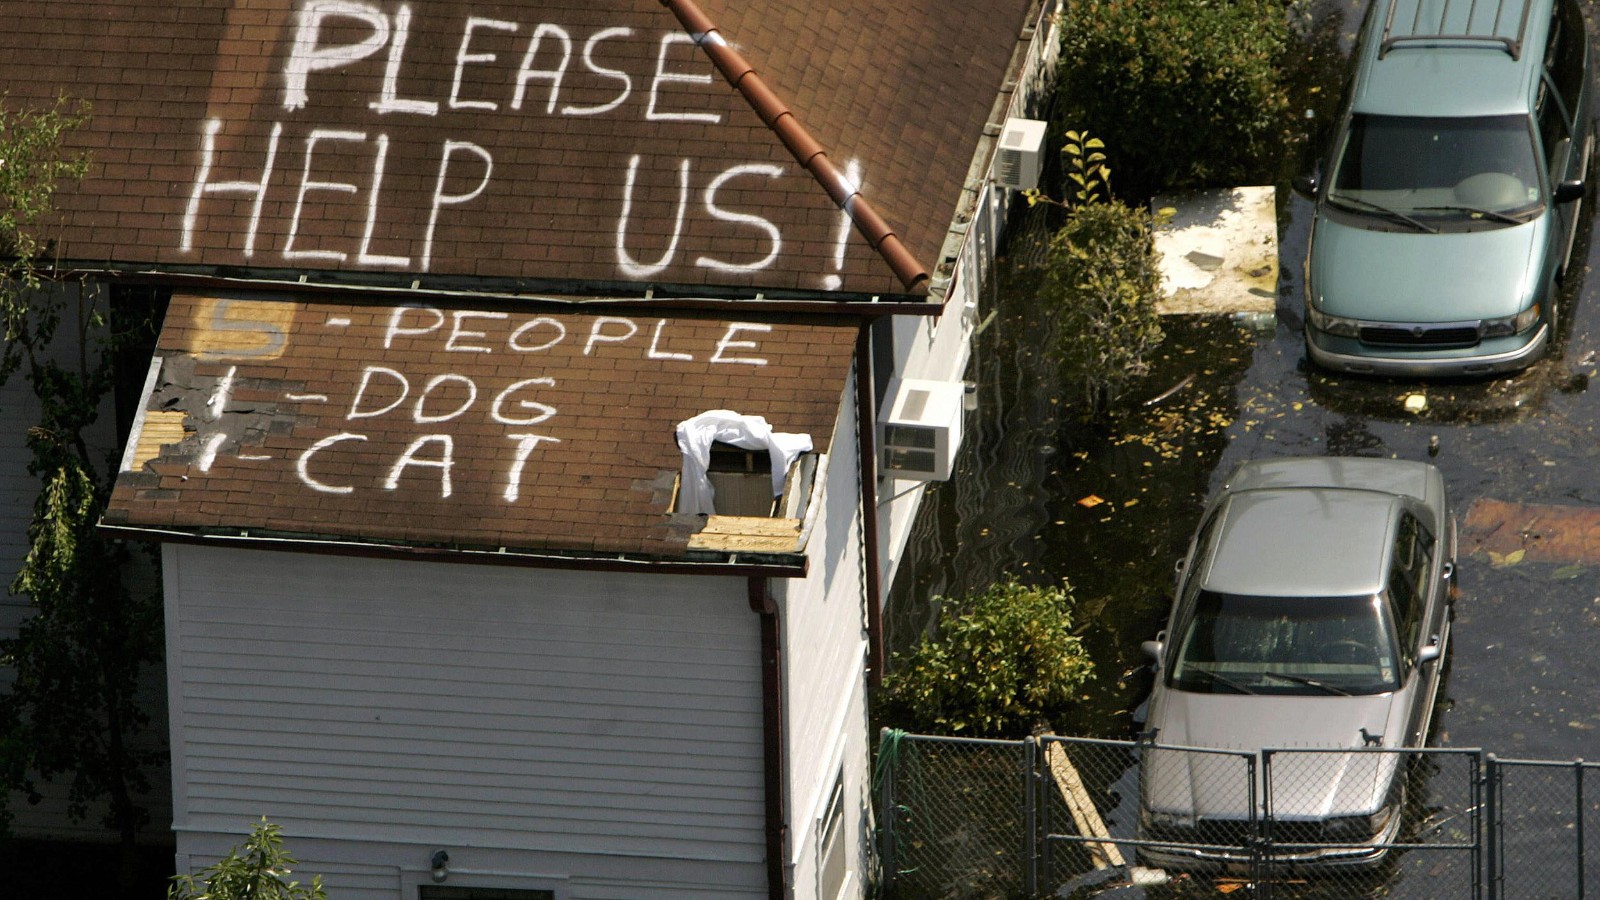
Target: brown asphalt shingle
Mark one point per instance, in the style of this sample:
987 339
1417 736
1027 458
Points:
534 187
279 436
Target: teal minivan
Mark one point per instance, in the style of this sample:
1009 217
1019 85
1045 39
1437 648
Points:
1448 205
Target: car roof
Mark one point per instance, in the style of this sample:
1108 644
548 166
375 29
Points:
1393 476
1452 57
1301 542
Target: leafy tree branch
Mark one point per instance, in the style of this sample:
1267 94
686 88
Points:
70 711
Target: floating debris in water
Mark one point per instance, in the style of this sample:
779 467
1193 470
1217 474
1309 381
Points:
1256 321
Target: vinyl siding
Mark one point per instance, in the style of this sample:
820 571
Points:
824 621
606 723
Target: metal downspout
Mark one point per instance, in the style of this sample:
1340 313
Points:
866 437
772 737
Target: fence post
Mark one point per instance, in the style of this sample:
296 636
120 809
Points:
1044 785
1475 814
1577 772
1259 836
1030 828
888 765
1491 821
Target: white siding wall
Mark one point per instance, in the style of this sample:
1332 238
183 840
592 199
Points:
938 348
534 723
825 654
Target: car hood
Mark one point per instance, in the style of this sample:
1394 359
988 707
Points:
1314 783
1392 276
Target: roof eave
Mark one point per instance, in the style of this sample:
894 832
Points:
694 562
556 293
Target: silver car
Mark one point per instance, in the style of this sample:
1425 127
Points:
1312 612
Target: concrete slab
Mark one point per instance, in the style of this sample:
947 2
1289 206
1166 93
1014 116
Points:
1219 251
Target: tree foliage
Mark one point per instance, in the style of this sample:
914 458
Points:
258 869
1102 279
999 664
1186 93
70 709
32 168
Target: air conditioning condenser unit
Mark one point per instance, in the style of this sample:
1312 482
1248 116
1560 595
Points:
922 429
1018 160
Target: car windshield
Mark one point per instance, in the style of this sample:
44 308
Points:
1285 645
1409 168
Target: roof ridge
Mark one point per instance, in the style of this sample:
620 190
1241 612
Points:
807 151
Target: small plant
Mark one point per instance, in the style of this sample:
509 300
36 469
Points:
1086 169
1186 93
999 664
258 869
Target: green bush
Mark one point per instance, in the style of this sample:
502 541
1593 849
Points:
1101 282
1186 93
999 664
258 869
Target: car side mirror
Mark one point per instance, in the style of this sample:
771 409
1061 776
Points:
1305 184
1570 190
1429 653
1153 650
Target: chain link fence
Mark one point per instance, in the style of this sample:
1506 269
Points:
1544 837
1080 818
956 816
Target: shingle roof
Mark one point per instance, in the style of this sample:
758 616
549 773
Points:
583 145
456 427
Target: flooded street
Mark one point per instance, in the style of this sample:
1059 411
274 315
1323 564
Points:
1109 506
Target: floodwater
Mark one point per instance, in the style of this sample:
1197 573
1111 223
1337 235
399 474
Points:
1109 506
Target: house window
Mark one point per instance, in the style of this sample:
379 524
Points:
742 480
833 858
435 892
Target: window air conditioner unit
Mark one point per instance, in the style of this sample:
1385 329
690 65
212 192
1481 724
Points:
1017 162
922 429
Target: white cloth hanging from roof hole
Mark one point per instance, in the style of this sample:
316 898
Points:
696 435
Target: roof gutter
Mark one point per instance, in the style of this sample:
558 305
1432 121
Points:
563 295
751 565
772 738
806 150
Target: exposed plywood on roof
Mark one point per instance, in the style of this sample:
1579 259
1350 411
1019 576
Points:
455 426
290 136
159 429
748 534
